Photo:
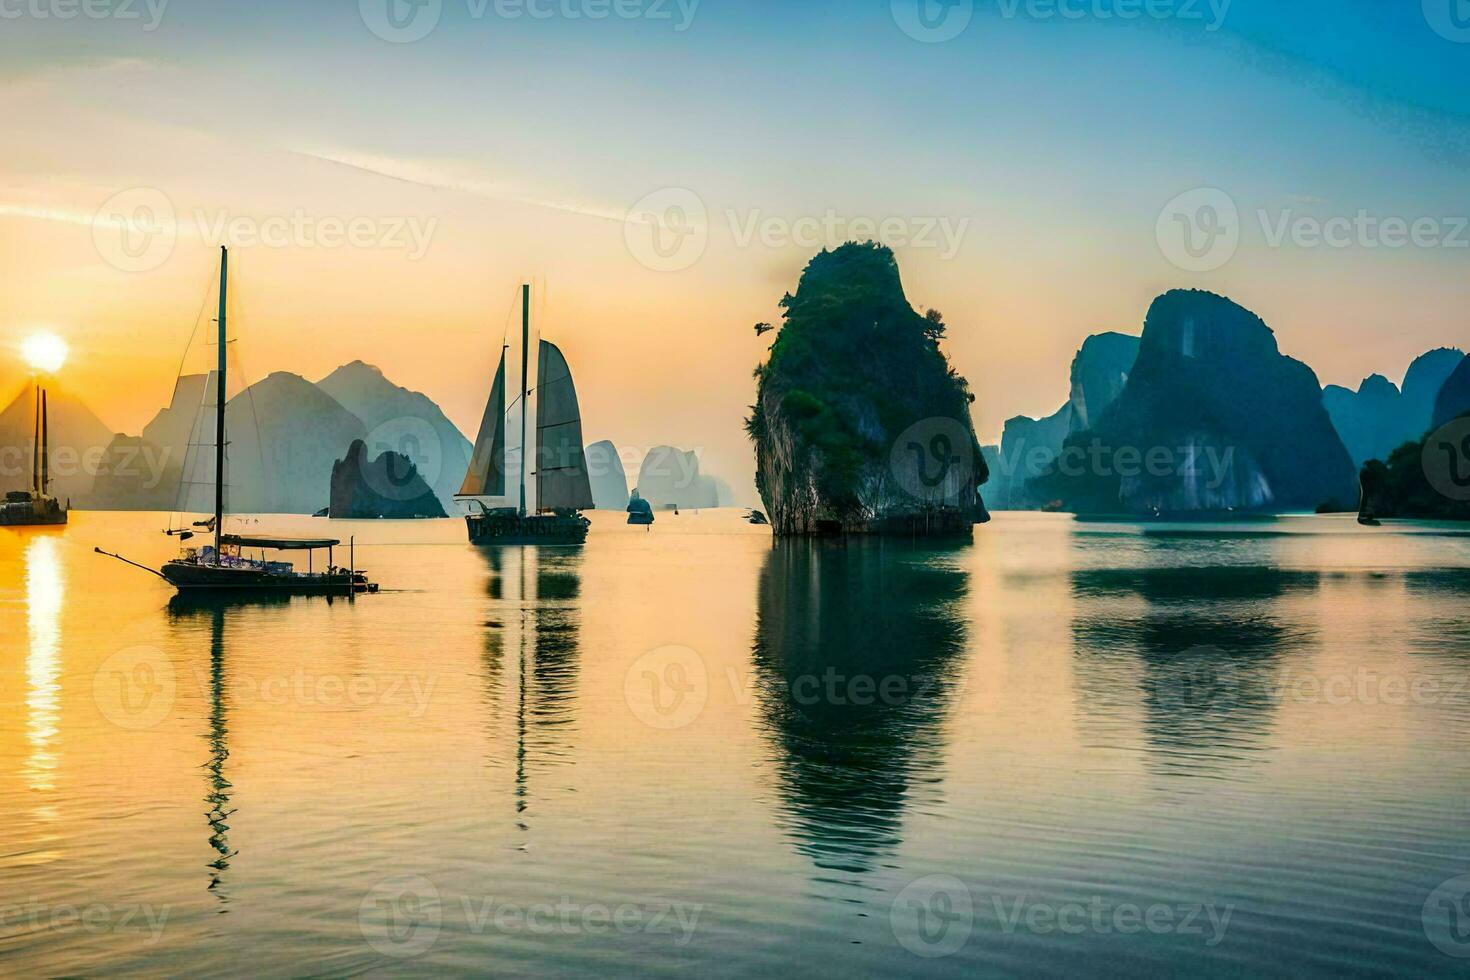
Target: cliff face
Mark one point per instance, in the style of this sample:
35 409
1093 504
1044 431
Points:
1378 418
1028 446
1422 384
389 487
1213 417
860 424
605 472
1367 419
1099 373
1454 396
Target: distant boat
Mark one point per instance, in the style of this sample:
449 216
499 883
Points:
35 506
223 569
562 486
640 511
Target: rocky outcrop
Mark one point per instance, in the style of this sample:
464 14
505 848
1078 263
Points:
670 477
1368 420
388 487
1423 382
1454 397
860 424
1213 418
1099 373
1378 418
1029 446
605 472
405 422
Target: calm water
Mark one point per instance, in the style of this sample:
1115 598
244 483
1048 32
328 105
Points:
1067 748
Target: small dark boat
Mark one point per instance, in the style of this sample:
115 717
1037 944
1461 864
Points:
35 507
562 486
640 511
756 517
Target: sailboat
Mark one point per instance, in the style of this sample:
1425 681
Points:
562 488
35 506
224 569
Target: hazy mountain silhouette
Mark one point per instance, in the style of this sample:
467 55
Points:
605 470
406 422
1378 417
1028 446
78 442
670 477
1454 396
1213 417
285 434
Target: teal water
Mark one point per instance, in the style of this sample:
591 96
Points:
1068 748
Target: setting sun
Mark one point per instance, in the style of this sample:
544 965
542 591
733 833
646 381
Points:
44 352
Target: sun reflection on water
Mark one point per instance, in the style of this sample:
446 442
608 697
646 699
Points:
45 593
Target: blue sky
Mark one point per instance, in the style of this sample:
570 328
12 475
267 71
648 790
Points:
1056 140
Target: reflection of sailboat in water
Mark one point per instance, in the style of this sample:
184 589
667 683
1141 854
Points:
562 487
537 596
218 797
855 651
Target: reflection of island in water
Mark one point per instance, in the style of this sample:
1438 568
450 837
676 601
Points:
535 624
855 651
1197 651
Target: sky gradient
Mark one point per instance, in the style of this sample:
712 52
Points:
499 149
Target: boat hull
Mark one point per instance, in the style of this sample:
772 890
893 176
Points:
193 577
43 513
538 529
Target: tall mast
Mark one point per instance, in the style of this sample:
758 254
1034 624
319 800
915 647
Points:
36 444
45 445
525 364
219 409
